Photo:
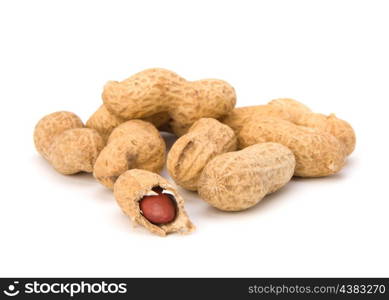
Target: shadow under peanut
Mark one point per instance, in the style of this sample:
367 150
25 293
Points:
272 199
46 170
169 139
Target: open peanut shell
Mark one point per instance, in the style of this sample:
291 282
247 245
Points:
133 185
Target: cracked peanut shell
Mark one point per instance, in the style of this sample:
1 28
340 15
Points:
133 185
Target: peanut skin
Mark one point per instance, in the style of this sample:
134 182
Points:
105 122
159 209
133 185
317 153
154 91
191 152
134 144
236 181
297 113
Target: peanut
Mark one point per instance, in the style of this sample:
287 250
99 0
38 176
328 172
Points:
333 125
236 181
317 153
135 186
61 139
291 105
188 156
293 111
159 209
134 144
157 90
51 126
76 150
285 108
302 116
104 122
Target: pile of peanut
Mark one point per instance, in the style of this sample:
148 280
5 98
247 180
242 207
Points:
233 157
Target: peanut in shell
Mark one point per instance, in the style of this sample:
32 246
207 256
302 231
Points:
51 126
133 185
105 122
76 150
154 91
297 113
317 153
134 144
189 155
238 180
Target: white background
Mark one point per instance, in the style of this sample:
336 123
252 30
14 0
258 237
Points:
331 55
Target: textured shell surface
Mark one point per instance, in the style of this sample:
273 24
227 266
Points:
130 188
333 125
133 144
297 113
51 126
284 108
241 115
76 150
236 181
140 95
159 119
317 153
290 104
191 152
154 91
303 116
207 98
105 122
